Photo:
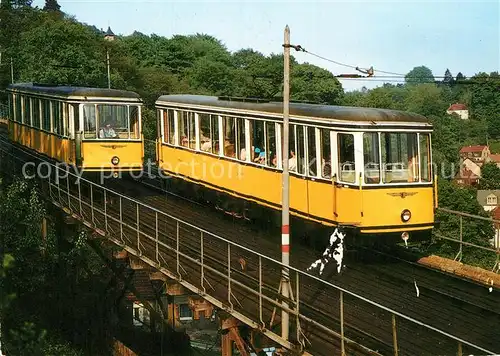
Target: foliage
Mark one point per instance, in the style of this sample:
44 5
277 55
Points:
474 231
419 75
448 77
490 176
485 101
45 273
51 5
75 55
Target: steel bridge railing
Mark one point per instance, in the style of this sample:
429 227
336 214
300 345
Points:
232 277
493 249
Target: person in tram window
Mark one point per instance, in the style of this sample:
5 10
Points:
260 156
292 161
107 132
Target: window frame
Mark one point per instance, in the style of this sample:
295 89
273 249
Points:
127 105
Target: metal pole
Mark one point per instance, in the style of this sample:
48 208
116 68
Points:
394 335
12 70
342 345
107 61
285 227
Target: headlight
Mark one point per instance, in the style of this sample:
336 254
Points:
115 160
405 215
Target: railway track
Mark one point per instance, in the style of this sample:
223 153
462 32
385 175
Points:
449 303
317 301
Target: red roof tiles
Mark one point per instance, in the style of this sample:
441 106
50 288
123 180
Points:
457 106
470 149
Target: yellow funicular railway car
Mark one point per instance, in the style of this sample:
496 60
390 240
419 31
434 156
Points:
93 129
362 168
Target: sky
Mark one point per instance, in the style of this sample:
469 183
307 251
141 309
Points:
392 36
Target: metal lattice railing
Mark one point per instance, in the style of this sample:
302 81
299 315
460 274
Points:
243 282
493 250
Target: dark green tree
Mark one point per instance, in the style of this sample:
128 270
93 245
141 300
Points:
419 75
485 101
315 84
51 5
448 78
490 176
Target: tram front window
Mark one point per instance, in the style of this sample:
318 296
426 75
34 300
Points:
400 157
104 121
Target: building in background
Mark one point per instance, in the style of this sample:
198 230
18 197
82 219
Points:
458 109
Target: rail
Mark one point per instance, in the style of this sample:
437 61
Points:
228 275
493 250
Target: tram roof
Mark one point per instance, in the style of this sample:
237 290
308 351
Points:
333 112
71 91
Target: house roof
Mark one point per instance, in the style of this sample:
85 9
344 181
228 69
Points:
109 32
483 194
495 158
457 106
471 162
471 149
467 173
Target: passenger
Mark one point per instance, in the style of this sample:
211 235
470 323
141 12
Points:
243 153
274 160
292 161
205 142
107 132
326 168
184 141
260 156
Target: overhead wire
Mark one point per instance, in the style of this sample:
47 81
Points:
392 75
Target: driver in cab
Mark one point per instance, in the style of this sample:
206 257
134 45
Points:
107 132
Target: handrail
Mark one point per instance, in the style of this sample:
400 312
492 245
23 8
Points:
253 252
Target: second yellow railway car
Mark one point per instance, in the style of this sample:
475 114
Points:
365 168
93 129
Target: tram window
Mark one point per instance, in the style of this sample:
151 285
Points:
205 132
371 157
192 130
399 157
187 130
66 119
425 163
18 114
35 122
209 133
46 115
301 161
134 121
76 115
89 121
169 126
56 116
229 127
271 153
27 111
292 154
258 140
112 121
240 135
326 161
214 133
311 151
346 158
